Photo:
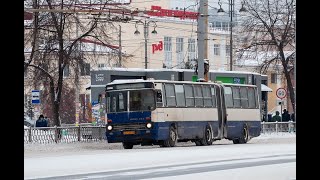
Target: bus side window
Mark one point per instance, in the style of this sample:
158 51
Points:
159 99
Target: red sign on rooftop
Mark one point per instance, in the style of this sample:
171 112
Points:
158 11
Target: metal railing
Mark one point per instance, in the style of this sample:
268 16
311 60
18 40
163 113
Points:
64 134
269 127
86 133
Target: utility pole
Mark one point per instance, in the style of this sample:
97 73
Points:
77 80
202 33
206 15
295 88
145 25
231 12
120 48
206 57
36 107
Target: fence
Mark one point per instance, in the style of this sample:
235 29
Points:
85 133
268 127
66 134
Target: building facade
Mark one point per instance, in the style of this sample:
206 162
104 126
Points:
162 35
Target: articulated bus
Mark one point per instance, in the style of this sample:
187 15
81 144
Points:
162 112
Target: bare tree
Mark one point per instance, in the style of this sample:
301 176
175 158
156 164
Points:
268 32
59 46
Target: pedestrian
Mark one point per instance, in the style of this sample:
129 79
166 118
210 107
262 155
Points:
276 118
41 122
285 116
47 119
292 117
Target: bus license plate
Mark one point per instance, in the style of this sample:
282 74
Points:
129 132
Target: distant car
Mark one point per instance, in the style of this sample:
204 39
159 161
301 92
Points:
28 122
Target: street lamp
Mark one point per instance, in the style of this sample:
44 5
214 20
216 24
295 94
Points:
146 28
231 13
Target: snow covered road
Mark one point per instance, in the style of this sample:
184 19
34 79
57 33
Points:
266 157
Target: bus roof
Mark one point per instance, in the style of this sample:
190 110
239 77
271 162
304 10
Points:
179 70
126 81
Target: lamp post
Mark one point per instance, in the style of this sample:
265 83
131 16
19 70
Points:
145 30
231 14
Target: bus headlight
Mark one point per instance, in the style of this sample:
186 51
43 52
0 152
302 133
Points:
149 125
109 127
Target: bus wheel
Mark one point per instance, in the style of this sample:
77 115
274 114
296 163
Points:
171 141
244 137
127 145
207 140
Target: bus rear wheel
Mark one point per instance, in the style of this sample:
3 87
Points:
171 141
244 137
127 145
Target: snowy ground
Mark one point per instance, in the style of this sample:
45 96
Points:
111 161
32 150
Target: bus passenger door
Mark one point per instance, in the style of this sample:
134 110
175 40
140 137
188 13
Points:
159 105
222 113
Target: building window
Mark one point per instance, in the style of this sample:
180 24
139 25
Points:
274 78
191 49
102 65
217 25
66 71
228 50
179 51
168 52
85 69
225 26
216 49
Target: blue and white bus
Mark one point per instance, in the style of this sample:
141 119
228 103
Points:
162 112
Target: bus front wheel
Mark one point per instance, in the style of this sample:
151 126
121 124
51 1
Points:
171 141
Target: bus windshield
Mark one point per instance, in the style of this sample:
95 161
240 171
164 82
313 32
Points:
139 100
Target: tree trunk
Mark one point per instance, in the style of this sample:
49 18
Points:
290 89
55 107
288 78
